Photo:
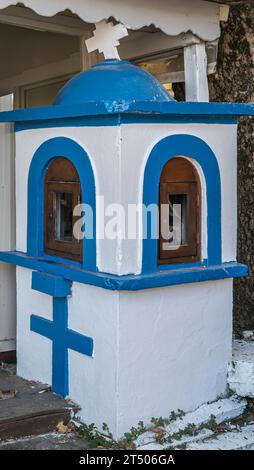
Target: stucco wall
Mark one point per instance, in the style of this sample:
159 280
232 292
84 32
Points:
154 351
175 344
119 176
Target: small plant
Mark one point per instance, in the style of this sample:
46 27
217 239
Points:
96 438
104 439
211 424
132 435
163 422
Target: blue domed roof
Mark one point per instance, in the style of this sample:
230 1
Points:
113 81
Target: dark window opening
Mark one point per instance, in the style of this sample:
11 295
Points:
64 223
180 213
62 194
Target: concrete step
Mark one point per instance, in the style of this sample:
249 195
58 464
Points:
239 439
222 411
241 369
51 441
29 408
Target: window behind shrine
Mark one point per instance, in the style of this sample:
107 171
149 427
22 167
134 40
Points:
62 194
180 213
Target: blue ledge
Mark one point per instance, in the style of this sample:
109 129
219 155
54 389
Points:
159 278
49 284
138 108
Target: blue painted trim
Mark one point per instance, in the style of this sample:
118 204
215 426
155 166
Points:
62 339
86 121
128 119
196 264
195 148
119 108
132 118
58 259
158 278
52 285
58 147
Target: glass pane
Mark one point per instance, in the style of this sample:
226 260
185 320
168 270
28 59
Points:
177 220
168 68
64 208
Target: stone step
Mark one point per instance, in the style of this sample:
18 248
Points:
29 408
222 411
241 369
177 443
239 439
52 441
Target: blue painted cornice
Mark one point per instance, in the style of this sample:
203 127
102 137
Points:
122 109
158 278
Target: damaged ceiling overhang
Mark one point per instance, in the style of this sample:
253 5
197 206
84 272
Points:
173 17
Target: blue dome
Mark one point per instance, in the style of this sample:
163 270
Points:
113 81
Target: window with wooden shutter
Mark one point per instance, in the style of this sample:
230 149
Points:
180 213
62 192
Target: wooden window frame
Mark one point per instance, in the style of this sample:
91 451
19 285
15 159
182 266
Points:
71 250
191 252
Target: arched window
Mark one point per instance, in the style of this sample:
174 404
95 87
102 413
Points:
62 193
180 212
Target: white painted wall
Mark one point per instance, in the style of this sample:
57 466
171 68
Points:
93 312
175 345
33 351
155 350
119 177
94 381
138 142
7 232
105 158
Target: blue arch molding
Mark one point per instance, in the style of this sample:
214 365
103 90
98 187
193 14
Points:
197 149
58 147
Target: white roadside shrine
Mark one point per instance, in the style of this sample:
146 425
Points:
181 24
123 326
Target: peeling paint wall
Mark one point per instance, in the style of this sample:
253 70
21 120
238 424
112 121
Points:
234 81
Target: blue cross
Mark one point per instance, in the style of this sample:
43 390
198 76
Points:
63 339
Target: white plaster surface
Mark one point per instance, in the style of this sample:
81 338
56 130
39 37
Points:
176 443
138 142
34 358
7 237
242 439
118 157
156 350
174 348
223 410
241 369
248 334
94 381
153 353
101 144
92 312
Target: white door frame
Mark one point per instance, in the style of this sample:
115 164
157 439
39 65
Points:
7 232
